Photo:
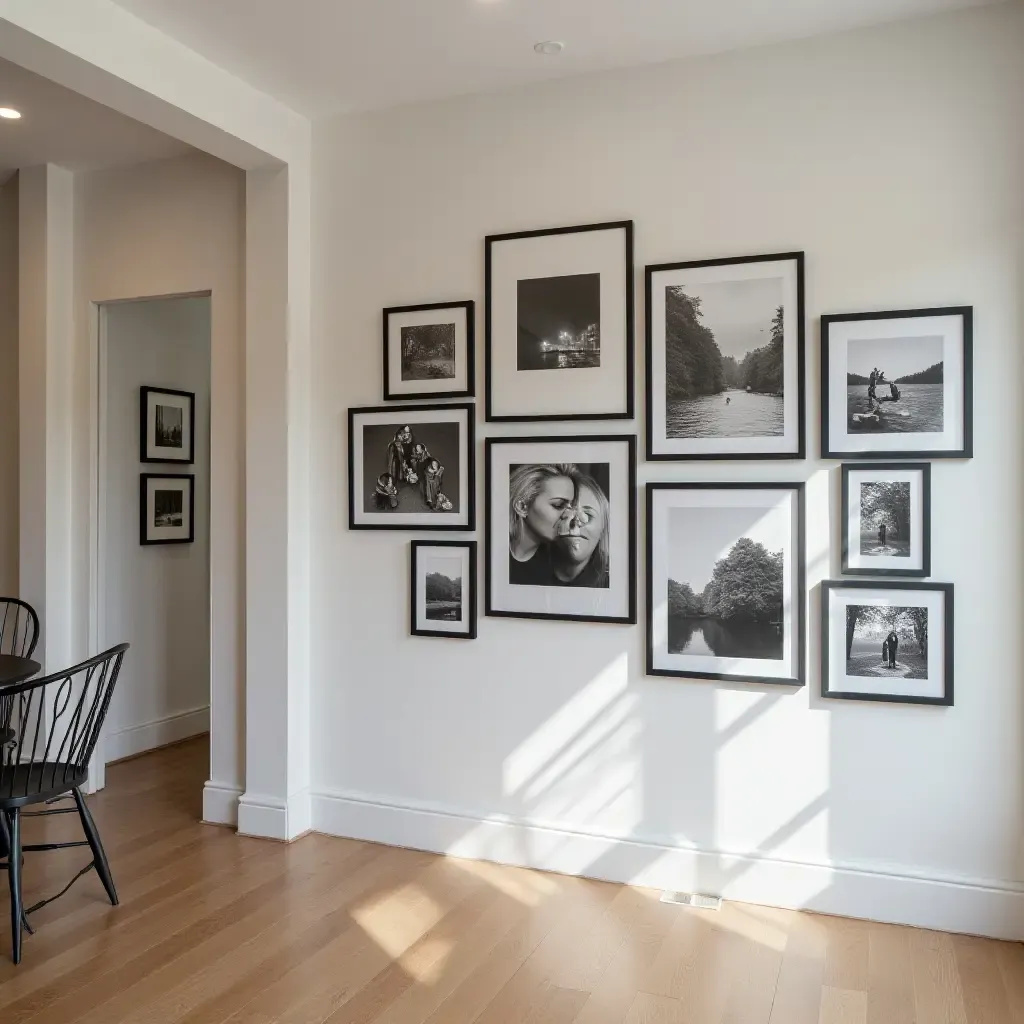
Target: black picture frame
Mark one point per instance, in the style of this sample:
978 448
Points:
799 644
828 586
145 538
966 451
146 395
471 619
629 370
468 306
630 441
800 356
395 413
925 469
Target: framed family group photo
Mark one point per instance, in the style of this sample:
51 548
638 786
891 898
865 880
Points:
559 323
429 351
167 425
725 358
443 595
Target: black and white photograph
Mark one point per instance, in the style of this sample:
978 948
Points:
725 581
166 508
411 467
886 519
559 323
429 351
443 589
562 528
167 425
725 342
897 383
888 641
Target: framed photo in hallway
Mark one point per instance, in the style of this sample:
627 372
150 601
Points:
429 351
725 358
559 323
887 641
411 467
443 589
897 383
725 581
886 519
167 508
167 425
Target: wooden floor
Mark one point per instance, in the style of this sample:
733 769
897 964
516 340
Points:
215 928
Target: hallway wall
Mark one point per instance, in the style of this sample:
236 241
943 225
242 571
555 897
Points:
9 387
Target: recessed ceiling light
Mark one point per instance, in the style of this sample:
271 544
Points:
10 113
549 47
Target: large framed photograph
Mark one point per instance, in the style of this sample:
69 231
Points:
412 467
167 425
167 506
560 323
897 383
725 581
886 519
429 351
561 528
443 589
887 641
725 358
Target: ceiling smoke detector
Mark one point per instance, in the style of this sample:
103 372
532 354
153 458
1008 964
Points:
549 47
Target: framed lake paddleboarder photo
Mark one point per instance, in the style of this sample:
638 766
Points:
725 581
725 358
897 383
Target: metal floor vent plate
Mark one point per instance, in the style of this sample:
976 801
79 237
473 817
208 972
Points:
692 899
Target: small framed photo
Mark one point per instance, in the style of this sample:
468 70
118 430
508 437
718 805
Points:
725 582
561 528
443 590
429 351
167 508
412 467
886 519
897 383
560 323
725 358
167 425
887 641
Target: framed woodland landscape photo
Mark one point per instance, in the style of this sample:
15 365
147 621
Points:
559 323
725 358
725 581
429 351
897 383
167 425
443 589
167 505
412 467
561 528
887 641
886 519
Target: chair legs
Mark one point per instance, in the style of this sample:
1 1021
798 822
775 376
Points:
14 880
98 854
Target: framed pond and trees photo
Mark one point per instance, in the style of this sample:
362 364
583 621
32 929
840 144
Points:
559 325
429 351
725 358
167 425
725 581
443 589
897 383
167 506
886 519
887 641
561 528
412 467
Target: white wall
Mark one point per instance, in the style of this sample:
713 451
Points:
893 157
156 596
9 387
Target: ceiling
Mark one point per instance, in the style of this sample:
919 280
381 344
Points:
332 56
61 127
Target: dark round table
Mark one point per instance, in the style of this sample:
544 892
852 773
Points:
15 670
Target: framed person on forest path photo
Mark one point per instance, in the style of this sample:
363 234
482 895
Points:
429 351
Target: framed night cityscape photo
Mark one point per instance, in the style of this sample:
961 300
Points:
559 326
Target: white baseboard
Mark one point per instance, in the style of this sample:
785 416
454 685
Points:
158 733
220 804
971 906
269 817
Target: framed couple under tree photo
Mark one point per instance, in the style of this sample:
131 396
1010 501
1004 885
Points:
167 506
897 383
443 589
167 425
429 351
725 581
725 358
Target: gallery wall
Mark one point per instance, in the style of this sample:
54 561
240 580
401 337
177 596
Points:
9 386
893 158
